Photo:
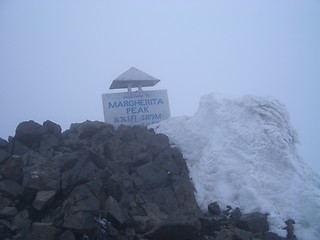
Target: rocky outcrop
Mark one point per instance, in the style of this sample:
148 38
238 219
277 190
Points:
96 182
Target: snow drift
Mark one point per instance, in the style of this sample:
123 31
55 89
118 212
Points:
242 152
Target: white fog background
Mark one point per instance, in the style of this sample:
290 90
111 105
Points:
58 57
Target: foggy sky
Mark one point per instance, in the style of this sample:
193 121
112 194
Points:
58 57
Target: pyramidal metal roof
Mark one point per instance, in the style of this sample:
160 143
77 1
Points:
133 78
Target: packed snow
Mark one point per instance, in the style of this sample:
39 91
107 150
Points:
242 152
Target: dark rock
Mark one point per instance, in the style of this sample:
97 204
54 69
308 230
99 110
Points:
115 213
111 148
167 186
96 186
209 225
254 222
143 224
5 232
80 209
87 129
66 235
130 233
105 134
214 208
51 139
55 213
271 236
242 234
48 143
177 190
82 199
113 188
65 161
141 159
83 171
42 231
11 188
10 146
32 159
98 159
290 229
79 221
52 127
41 178
153 211
5 202
234 234
182 226
18 148
29 133
12 168
126 134
8 212
21 221
23 234
110 230
105 229
235 216
182 190
4 155
3 144
227 211
221 219
225 234
43 199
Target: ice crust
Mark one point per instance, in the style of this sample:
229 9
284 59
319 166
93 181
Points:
242 152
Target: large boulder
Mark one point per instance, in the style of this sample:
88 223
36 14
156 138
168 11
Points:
51 139
83 171
11 188
12 168
214 208
7 212
43 199
115 213
29 133
80 209
3 144
43 138
181 225
21 221
66 235
42 231
82 199
44 177
254 222
4 155
5 201
52 128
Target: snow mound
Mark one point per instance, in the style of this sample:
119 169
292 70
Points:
242 152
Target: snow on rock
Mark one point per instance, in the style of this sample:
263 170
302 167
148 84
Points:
242 152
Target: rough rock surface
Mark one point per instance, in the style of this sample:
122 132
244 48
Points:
96 182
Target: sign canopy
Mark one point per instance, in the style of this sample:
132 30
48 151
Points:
133 78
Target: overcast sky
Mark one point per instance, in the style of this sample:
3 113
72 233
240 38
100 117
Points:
58 57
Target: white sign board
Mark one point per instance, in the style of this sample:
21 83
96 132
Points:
136 108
